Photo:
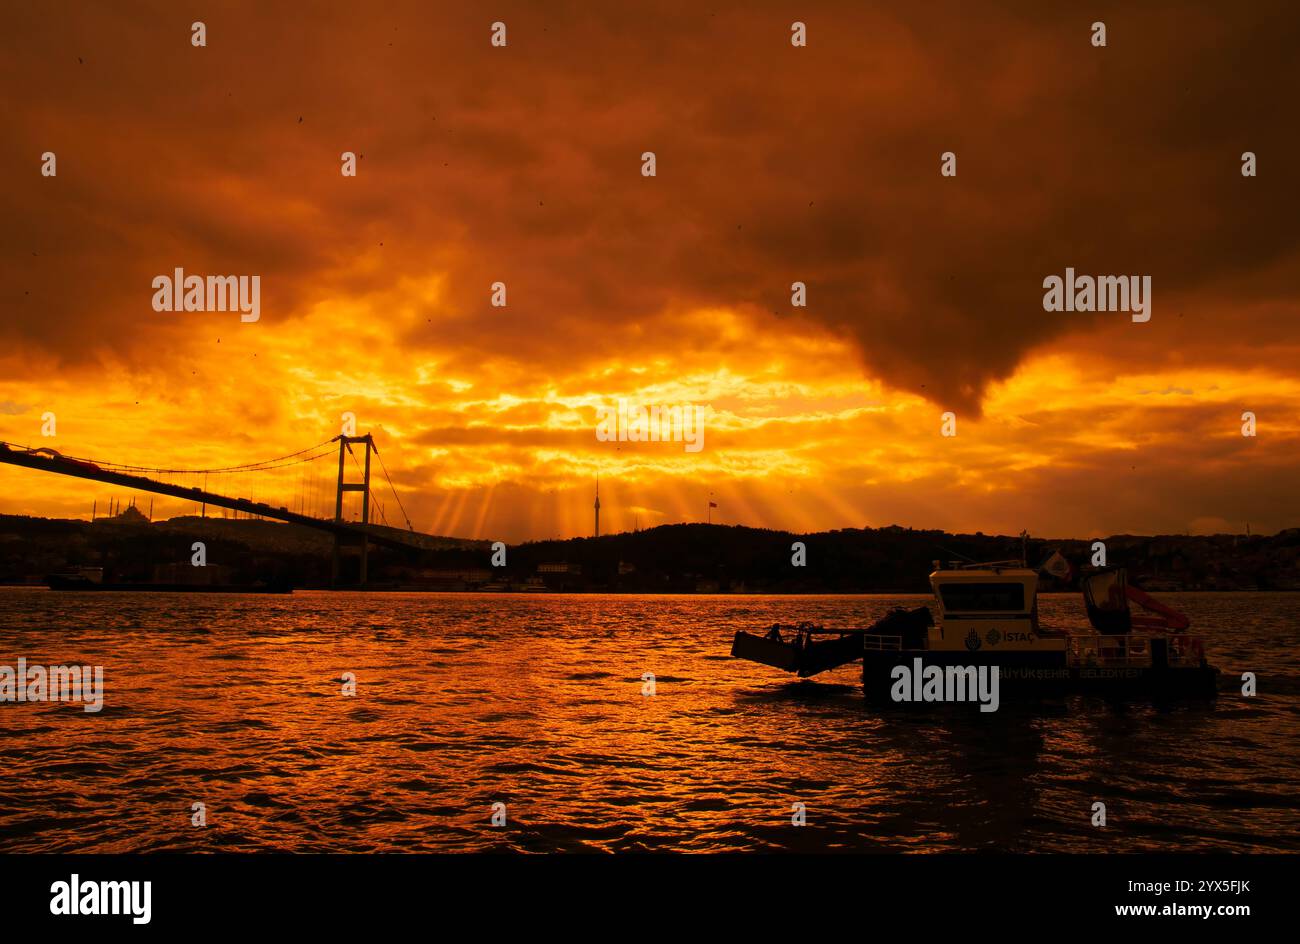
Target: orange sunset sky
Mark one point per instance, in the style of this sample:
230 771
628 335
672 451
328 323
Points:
522 164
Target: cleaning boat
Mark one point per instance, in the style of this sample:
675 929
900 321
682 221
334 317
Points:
986 616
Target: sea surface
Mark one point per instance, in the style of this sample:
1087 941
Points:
538 702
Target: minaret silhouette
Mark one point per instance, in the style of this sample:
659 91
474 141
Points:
597 504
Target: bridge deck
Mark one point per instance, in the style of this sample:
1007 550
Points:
86 470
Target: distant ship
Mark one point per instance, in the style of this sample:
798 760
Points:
92 579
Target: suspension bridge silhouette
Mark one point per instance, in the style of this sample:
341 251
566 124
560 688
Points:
311 498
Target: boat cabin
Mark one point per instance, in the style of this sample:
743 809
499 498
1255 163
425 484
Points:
987 606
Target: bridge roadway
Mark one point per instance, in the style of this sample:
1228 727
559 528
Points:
62 465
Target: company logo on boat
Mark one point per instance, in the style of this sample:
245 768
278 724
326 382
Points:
954 683
994 636
1094 673
972 640
1023 673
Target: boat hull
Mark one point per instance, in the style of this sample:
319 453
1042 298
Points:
1034 674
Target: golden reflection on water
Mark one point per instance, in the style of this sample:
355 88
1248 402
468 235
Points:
536 702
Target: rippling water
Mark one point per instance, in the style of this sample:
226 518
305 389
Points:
536 701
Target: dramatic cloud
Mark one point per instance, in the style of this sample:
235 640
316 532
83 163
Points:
774 164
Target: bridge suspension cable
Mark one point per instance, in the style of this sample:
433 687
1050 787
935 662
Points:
384 469
310 488
279 462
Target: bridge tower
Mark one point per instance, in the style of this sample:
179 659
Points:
345 446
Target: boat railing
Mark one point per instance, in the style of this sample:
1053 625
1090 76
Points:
1134 650
985 565
878 643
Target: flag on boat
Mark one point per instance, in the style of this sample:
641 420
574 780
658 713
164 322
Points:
1057 566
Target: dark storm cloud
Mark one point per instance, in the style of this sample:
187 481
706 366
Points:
775 164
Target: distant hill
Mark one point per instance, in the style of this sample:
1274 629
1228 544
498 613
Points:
128 547
682 558
693 557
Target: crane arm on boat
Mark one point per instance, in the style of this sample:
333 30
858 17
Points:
1167 617
1107 595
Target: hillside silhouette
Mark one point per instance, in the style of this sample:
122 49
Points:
680 558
